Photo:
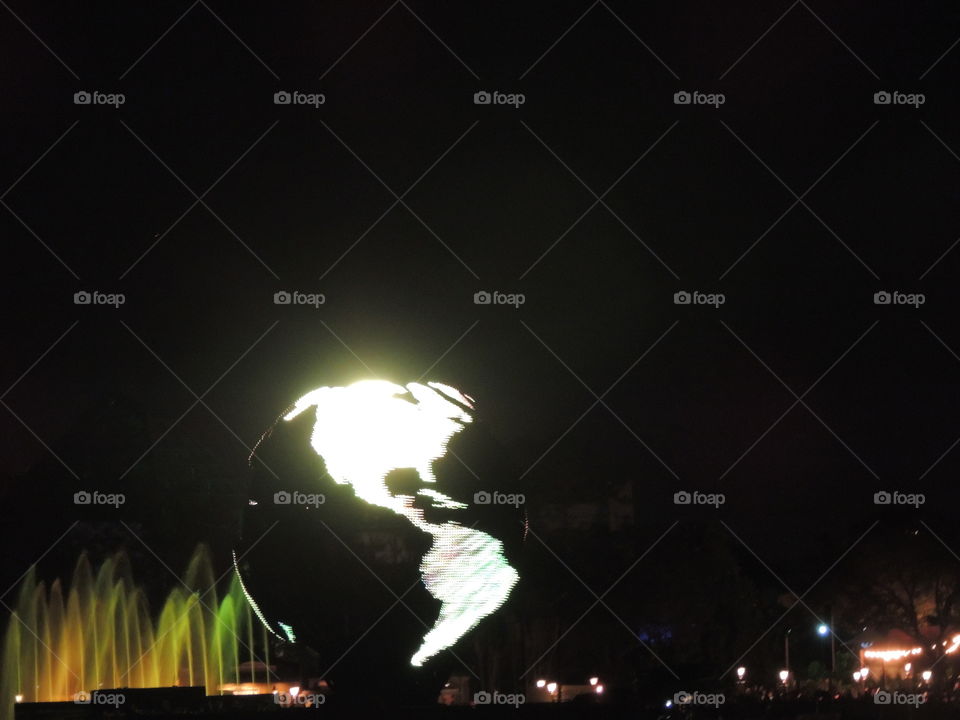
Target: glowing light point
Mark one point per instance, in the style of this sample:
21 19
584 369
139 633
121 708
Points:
741 671
927 675
784 676
954 644
368 429
594 681
551 687
822 630
541 683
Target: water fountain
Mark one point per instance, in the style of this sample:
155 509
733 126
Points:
99 632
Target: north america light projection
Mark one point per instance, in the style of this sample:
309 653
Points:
371 428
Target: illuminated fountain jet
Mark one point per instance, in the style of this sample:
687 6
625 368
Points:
365 431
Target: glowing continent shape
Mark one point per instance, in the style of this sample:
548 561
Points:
368 429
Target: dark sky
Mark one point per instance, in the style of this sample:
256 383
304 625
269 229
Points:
798 199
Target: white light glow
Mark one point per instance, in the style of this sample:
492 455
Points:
927 675
856 675
368 429
249 597
784 675
294 690
599 689
741 671
541 683
288 631
551 688
594 681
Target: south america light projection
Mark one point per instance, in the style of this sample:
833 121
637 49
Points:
371 428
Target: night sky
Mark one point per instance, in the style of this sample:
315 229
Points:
399 198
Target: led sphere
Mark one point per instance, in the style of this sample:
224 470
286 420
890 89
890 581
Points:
370 485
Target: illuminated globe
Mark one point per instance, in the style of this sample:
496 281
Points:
368 538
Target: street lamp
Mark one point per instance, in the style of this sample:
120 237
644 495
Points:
594 681
823 629
541 683
786 649
784 676
926 675
741 671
